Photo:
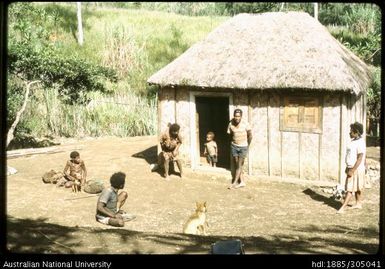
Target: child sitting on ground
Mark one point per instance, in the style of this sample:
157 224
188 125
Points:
211 149
75 169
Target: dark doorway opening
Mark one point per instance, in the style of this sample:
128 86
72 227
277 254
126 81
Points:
213 115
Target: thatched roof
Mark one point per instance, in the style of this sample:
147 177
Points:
274 50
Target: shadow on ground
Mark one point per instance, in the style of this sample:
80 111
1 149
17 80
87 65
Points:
326 200
149 155
27 141
39 236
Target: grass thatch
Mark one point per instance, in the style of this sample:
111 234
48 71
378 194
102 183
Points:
268 51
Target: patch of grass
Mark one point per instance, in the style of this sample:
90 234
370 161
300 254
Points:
124 114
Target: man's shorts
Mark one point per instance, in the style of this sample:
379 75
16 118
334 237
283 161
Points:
102 219
213 158
237 151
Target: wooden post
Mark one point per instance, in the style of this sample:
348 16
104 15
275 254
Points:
299 155
281 153
319 156
344 118
250 114
268 136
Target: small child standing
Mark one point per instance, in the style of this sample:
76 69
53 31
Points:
211 149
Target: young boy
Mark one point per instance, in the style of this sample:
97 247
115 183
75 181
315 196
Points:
355 167
109 203
75 169
211 149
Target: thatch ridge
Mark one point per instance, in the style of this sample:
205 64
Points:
274 50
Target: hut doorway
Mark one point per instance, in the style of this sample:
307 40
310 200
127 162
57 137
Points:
212 114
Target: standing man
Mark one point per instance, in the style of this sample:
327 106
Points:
240 134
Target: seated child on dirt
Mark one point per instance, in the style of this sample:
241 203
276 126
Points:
211 149
109 203
75 169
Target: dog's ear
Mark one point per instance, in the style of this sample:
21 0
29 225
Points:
205 204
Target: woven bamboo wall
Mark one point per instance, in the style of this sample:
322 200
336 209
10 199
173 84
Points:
259 145
274 135
309 156
183 119
331 136
167 107
290 154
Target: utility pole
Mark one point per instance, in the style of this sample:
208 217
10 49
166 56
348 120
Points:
80 24
316 11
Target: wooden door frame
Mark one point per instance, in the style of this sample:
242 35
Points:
193 110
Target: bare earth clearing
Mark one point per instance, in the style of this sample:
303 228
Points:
268 216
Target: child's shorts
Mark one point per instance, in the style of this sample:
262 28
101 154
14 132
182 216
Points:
212 158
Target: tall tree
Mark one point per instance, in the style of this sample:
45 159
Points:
11 131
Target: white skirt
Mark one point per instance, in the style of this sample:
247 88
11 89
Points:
356 182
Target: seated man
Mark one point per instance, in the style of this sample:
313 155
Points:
109 203
170 142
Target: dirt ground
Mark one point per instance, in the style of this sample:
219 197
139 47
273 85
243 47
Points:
268 216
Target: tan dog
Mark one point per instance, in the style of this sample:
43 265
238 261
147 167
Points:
196 224
76 187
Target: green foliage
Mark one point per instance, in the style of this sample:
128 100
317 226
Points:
359 18
165 48
367 47
374 94
32 57
74 76
236 8
14 100
123 115
357 26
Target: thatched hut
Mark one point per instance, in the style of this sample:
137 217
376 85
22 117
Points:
299 88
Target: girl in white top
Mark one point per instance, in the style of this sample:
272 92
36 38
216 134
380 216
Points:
355 166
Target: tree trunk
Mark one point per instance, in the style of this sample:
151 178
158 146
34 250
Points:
11 130
80 24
